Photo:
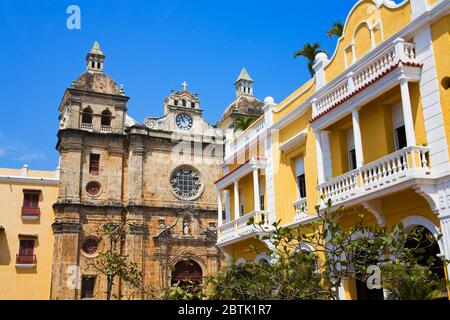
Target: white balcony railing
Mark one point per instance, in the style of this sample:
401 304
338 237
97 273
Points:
87 126
301 210
239 228
245 137
105 129
377 175
363 73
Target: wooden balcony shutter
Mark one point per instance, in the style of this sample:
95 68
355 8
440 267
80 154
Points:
94 163
26 248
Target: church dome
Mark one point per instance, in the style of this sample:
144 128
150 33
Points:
96 81
247 106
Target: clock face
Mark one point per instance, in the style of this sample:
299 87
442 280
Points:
184 122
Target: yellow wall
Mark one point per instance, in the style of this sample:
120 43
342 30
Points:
19 283
440 32
391 20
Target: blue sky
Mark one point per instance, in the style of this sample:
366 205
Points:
151 47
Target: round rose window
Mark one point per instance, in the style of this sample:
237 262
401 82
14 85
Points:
186 183
90 246
93 188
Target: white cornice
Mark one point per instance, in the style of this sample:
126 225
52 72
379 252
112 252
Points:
29 180
294 141
240 172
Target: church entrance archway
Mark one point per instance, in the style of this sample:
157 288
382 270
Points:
187 271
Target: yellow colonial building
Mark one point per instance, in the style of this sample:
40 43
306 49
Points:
370 130
26 236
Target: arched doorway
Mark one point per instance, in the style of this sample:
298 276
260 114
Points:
187 271
429 247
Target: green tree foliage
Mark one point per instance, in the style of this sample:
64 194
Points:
309 51
112 262
335 253
336 31
242 123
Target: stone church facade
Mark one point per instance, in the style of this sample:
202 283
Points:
158 175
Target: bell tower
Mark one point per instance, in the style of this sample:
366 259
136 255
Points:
244 84
95 59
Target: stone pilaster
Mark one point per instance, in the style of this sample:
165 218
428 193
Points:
136 170
71 148
65 278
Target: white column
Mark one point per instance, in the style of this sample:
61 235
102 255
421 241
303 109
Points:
227 206
257 204
407 113
319 156
219 207
372 37
445 231
236 199
357 139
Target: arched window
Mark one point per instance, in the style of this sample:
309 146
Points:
86 117
106 118
184 102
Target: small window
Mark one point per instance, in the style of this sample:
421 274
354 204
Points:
93 64
98 65
31 199
183 102
352 159
94 163
301 184
261 201
26 248
87 287
26 252
193 105
87 116
175 102
400 138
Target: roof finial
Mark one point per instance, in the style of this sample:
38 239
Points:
184 85
244 75
96 49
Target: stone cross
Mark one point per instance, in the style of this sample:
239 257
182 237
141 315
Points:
184 85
